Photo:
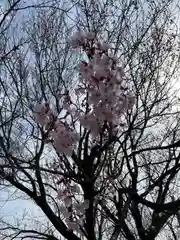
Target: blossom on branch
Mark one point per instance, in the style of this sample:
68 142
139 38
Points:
108 97
108 94
42 114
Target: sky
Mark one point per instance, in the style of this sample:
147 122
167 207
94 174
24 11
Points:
2 4
2 1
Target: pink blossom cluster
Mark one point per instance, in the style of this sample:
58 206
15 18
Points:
79 38
42 114
64 138
106 85
67 196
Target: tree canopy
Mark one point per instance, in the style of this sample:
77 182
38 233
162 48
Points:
89 117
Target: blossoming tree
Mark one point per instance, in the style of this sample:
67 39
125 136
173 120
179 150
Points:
99 158
104 87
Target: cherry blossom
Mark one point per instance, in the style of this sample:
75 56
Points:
67 201
77 39
81 207
89 35
41 114
105 87
102 78
108 94
72 225
64 211
64 138
91 122
104 46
